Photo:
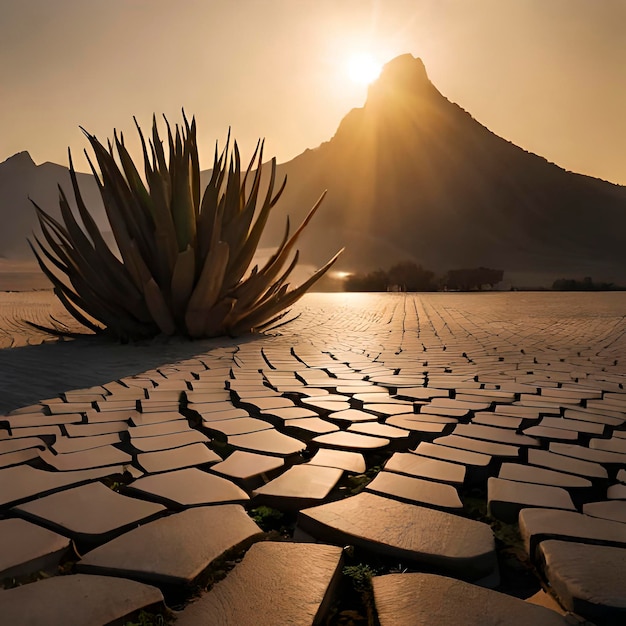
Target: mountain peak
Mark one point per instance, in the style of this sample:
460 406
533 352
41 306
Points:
403 76
405 69
21 159
403 84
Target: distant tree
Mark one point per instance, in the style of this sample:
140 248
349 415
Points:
475 278
374 281
565 284
403 276
571 284
408 276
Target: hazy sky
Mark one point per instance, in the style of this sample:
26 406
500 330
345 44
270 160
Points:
549 75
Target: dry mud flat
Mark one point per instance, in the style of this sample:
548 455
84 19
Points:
21 275
467 450
17 307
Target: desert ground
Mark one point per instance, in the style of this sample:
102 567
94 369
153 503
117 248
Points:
450 458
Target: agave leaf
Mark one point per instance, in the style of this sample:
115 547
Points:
98 309
158 308
232 196
46 220
53 330
238 231
59 263
80 241
75 312
258 151
252 289
78 270
284 250
256 284
90 300
52 277
137 188
139 264
158 254
274 290
182 283
279 283
194 163
86 262
207 289
248 250
207 223
109 312
215 237
110 263
171 146
166 245
182 207
63 260
71 262
273 325
214 320
157 144
120 231
127 218
267 310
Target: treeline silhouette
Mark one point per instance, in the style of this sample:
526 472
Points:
409 276
571 284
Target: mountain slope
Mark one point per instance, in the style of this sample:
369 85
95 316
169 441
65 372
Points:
412 175
21 179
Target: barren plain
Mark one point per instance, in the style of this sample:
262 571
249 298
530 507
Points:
476 438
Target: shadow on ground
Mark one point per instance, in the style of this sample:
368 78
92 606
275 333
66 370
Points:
29 374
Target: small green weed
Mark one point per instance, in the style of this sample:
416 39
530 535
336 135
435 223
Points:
144 618
267 517
357 482
360 575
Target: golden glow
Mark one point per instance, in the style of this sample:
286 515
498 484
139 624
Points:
363 68
341 275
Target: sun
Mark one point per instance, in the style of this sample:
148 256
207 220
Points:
363 68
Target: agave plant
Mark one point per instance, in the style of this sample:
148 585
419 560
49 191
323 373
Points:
182 264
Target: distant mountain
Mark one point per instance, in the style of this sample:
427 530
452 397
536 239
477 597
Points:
409 175
412 175
21 179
